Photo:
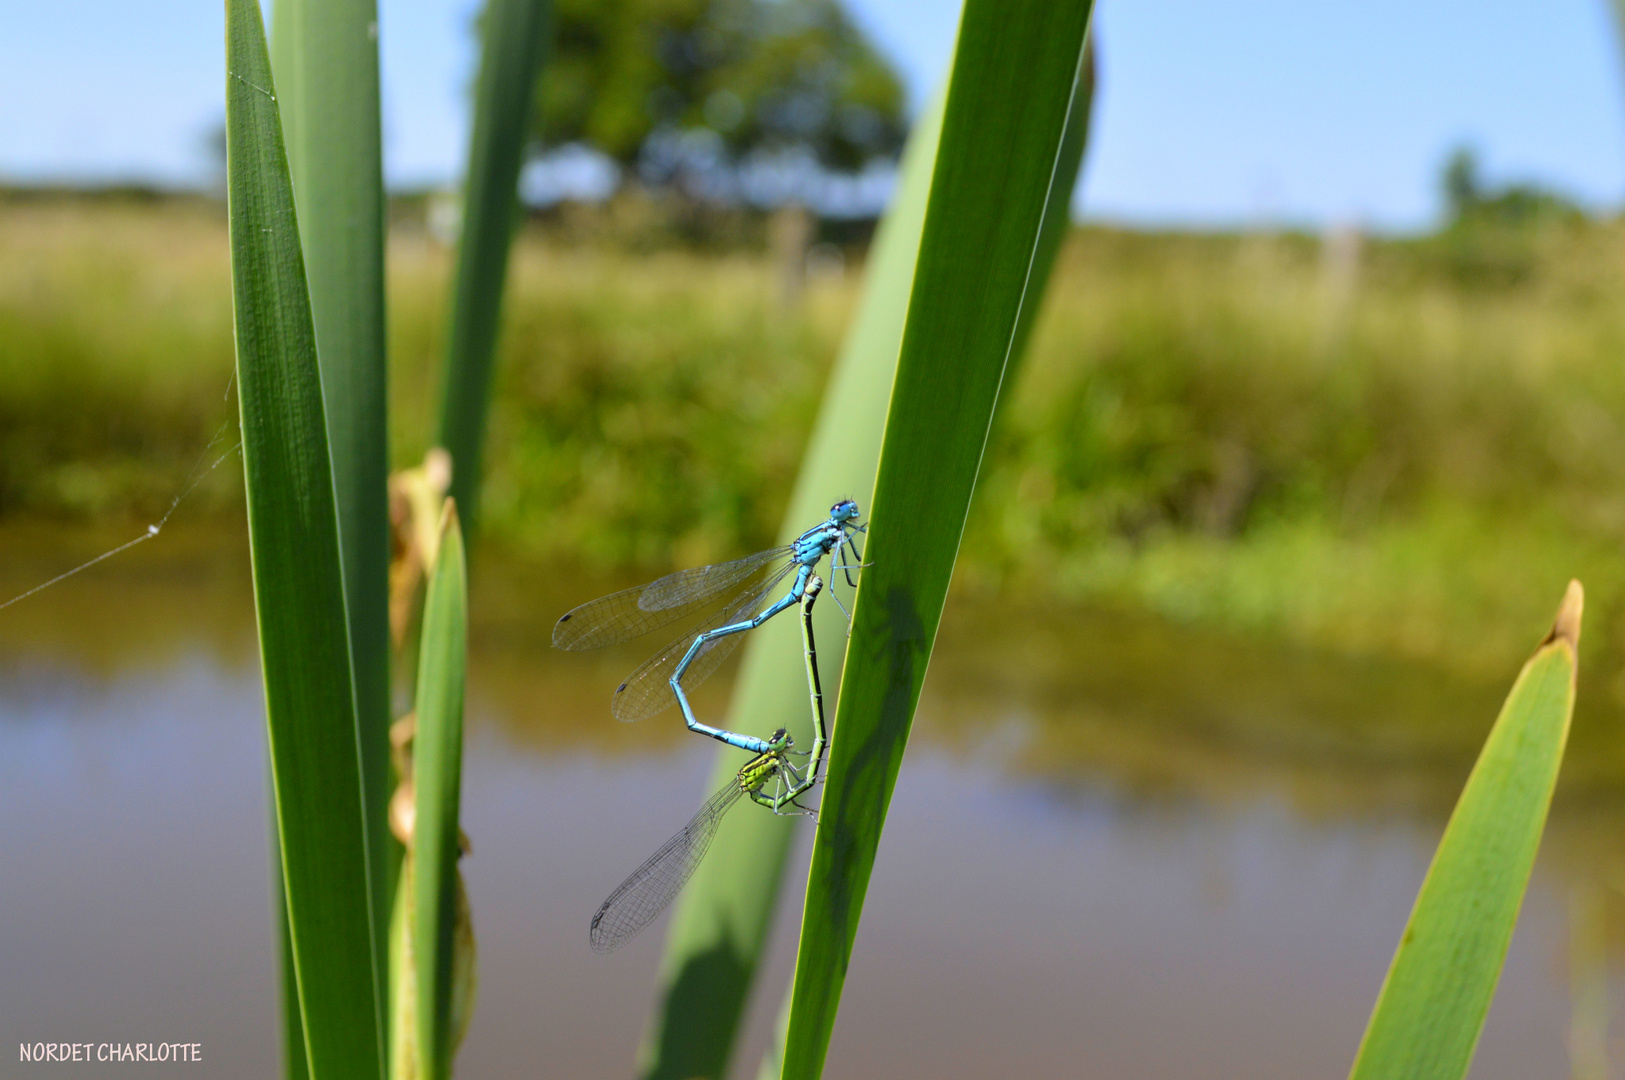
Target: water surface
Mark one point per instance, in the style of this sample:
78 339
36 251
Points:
1117 848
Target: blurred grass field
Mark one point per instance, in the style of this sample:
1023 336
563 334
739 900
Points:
1393 448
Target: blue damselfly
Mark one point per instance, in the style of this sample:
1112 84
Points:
735 589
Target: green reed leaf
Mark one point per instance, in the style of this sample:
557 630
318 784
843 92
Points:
1016 66
294 1065
724 915
722 921
437 769
1439 987
325 58
513 36
298 583
1057 203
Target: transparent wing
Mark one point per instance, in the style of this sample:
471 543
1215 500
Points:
634 612
648 689
645 894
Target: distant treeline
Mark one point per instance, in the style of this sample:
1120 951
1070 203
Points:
1402 446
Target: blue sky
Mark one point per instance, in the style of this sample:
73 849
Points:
1209 114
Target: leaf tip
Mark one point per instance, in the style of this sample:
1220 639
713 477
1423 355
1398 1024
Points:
1566 627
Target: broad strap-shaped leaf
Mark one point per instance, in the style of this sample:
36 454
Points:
722 919
1439 987
1016 67
294 1066
298 584
325 57
513 34
726 910
437 769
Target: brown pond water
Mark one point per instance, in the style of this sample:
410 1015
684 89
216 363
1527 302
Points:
1117 848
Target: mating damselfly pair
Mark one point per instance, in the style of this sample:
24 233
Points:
733 593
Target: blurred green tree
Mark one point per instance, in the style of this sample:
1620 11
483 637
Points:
1471 204
742 75
1492 236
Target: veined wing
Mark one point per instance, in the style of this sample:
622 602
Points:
645 894
680 589
634 612
648 689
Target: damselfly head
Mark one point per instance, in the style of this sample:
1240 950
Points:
845 510
781 740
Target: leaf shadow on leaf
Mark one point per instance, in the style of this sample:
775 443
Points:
713 980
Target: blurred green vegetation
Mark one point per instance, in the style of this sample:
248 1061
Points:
1375 447
115 351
